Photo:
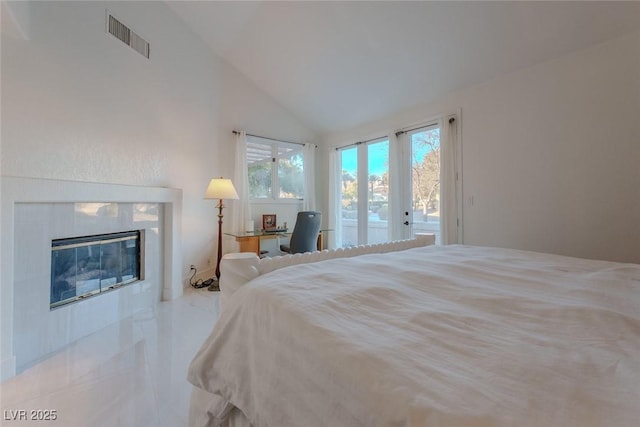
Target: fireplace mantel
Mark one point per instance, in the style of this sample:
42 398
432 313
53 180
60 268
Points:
18 191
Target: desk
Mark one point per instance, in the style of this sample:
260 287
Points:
250 240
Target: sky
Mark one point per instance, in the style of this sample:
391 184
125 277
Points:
378 155
378 158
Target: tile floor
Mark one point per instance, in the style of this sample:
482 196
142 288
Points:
132 373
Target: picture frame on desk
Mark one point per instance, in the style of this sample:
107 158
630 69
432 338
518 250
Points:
269 221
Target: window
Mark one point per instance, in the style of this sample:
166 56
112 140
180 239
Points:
275 165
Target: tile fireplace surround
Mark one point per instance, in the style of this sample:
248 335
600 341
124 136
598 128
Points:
36 211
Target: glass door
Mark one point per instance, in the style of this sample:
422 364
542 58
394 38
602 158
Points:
424 212
364 193
377 191
419 193
349 196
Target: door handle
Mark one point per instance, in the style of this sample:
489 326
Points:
406 223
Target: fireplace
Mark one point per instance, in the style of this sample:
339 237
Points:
87 266
36 213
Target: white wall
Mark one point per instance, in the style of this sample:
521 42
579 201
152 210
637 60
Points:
77 104
551 154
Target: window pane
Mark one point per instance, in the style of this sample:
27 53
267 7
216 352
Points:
290 173
110 264
275 169
260 165
130 268
378 190
425 175
349 197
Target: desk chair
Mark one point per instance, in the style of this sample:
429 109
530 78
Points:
305 233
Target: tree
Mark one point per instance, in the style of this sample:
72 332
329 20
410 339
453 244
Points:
346 179
349 189
373 180
291 176
260 179
426 168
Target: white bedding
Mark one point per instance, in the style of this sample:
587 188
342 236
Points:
450 336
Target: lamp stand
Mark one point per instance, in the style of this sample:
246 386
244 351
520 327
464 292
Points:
215 286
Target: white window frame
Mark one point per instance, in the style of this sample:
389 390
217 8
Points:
275 184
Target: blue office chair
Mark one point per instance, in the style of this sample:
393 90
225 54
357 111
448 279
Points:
305 233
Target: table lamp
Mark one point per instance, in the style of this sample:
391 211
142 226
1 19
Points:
221 189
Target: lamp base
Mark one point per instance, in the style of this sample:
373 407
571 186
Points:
214 287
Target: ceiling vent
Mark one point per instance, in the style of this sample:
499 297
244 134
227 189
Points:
128 37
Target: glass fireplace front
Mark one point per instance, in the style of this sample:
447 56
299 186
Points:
88 265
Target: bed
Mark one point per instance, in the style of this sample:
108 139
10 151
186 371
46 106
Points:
422 336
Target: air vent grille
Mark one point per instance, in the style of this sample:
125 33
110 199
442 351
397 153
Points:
128 37
139 44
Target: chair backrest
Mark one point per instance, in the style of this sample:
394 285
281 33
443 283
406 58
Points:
305 233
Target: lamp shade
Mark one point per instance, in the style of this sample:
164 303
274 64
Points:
221 188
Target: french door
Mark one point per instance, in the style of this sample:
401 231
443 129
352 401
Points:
417 192
364 189
422 178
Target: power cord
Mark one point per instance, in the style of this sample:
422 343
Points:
198 284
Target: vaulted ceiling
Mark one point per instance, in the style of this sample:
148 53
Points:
339 64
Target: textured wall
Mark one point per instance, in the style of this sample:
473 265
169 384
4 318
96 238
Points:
78 104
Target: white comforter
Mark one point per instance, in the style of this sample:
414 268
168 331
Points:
437 336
